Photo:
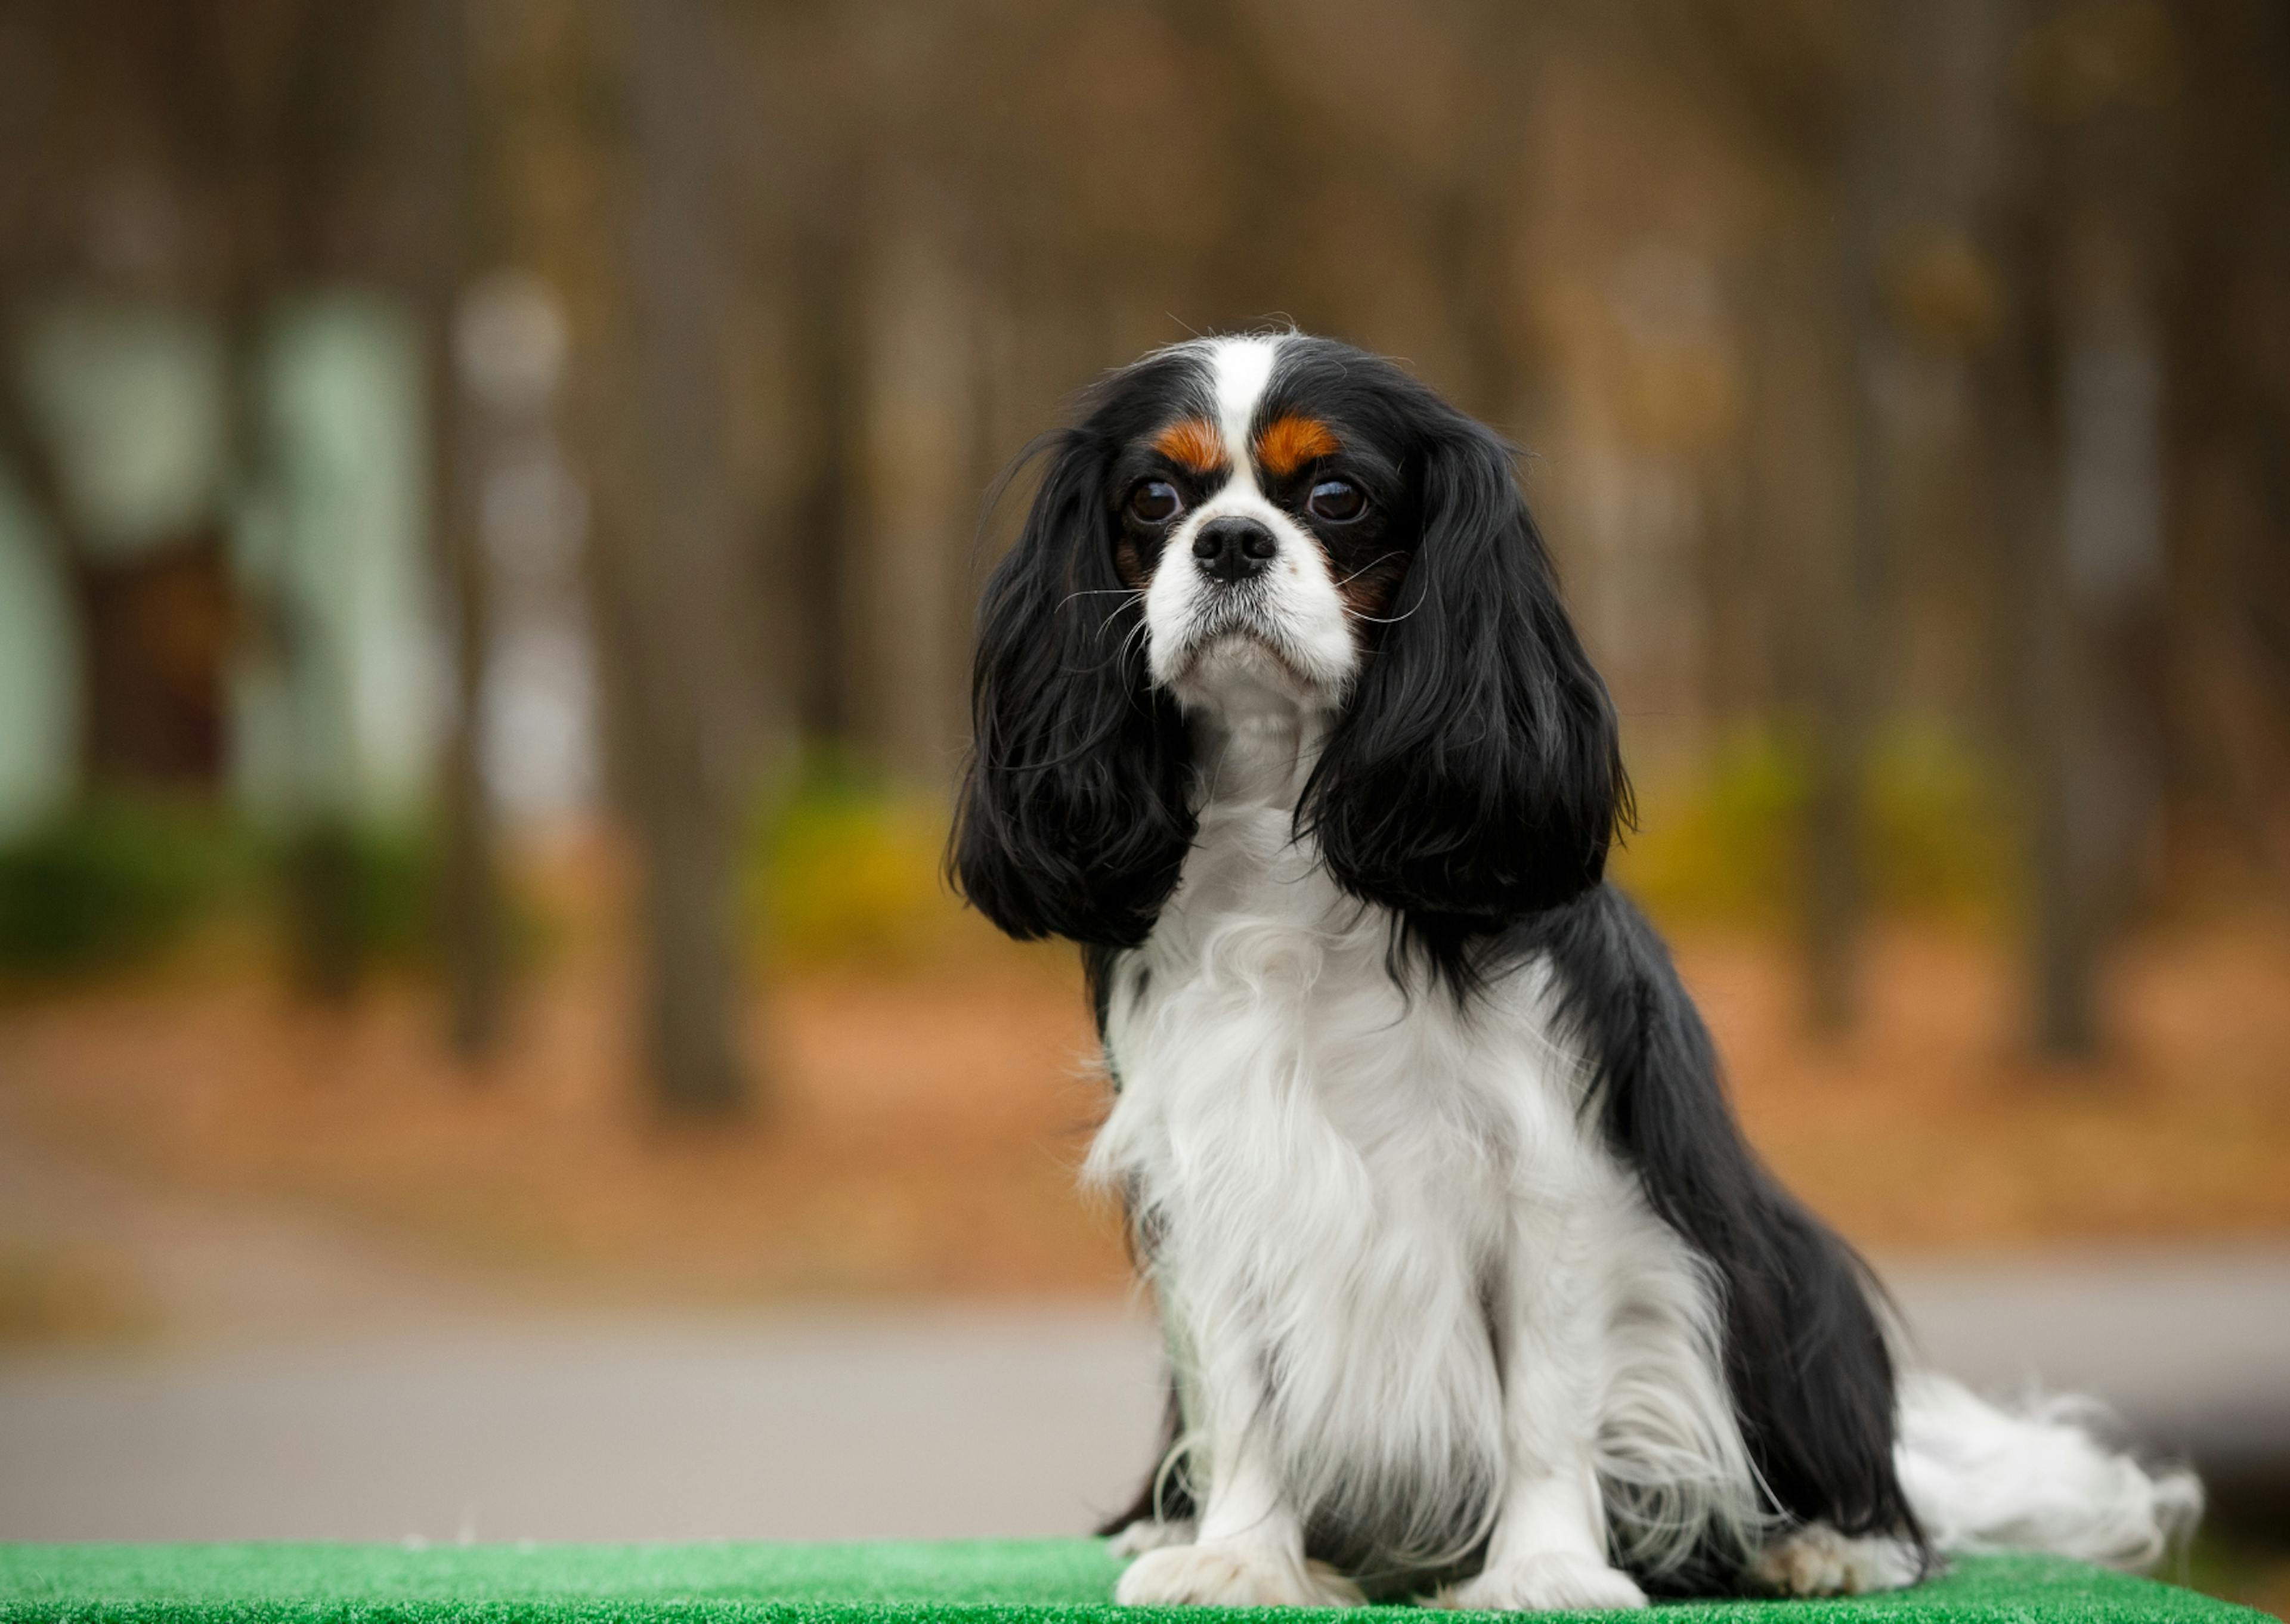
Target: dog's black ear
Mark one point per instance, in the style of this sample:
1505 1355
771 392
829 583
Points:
1477 775
1072 819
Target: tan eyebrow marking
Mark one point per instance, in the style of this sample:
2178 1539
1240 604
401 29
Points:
1191 443
1289 443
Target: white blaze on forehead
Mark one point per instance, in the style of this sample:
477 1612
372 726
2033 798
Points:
1240 370
1286 634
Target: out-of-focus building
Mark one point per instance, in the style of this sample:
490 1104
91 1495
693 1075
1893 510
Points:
275 641
271 641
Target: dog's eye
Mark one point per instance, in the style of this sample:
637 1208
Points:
1156 502
1337 500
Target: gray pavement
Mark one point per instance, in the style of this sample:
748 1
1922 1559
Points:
2192 1349
918 1425
906 1424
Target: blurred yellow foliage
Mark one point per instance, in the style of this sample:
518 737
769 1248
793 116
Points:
845 869
1719 843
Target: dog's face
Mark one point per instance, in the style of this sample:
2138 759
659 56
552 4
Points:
1285 519
1266 518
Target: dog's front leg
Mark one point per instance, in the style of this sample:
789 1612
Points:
1549 1548
1250 1550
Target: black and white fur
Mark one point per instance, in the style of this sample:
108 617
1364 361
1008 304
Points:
1469 1281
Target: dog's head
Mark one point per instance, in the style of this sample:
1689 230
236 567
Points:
1282 520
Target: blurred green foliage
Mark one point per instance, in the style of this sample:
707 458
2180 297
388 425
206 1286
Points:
1722 845
354 897
121 879
843 866
111 882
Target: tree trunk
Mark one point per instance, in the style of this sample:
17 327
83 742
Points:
1811 517
2099 792
469 884
673 582
907 687
828 368
2098 600
1846 646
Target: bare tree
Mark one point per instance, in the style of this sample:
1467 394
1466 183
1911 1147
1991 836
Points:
2096 582
1803 80
468 882
669 564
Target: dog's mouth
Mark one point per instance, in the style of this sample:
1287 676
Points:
1235 653
1242 644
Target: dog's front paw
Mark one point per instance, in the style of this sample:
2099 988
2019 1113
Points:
1150 1534
1816 1560
1554 1582
1232 1576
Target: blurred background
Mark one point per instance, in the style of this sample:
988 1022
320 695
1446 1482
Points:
492 494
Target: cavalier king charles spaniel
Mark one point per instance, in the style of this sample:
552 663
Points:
1471 1287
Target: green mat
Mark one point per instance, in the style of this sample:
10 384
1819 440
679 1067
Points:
1024 1582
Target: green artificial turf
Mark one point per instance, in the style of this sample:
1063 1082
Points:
1020 1581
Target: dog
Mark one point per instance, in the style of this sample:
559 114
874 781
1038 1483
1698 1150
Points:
1471 1287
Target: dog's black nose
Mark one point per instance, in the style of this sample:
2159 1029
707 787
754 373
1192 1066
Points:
1234 550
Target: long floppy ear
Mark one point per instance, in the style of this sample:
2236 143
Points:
1477 773
1072 819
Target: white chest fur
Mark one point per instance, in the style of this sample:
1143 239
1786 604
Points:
1341 1179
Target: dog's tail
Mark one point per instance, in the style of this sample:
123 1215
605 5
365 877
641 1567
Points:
2035 1475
